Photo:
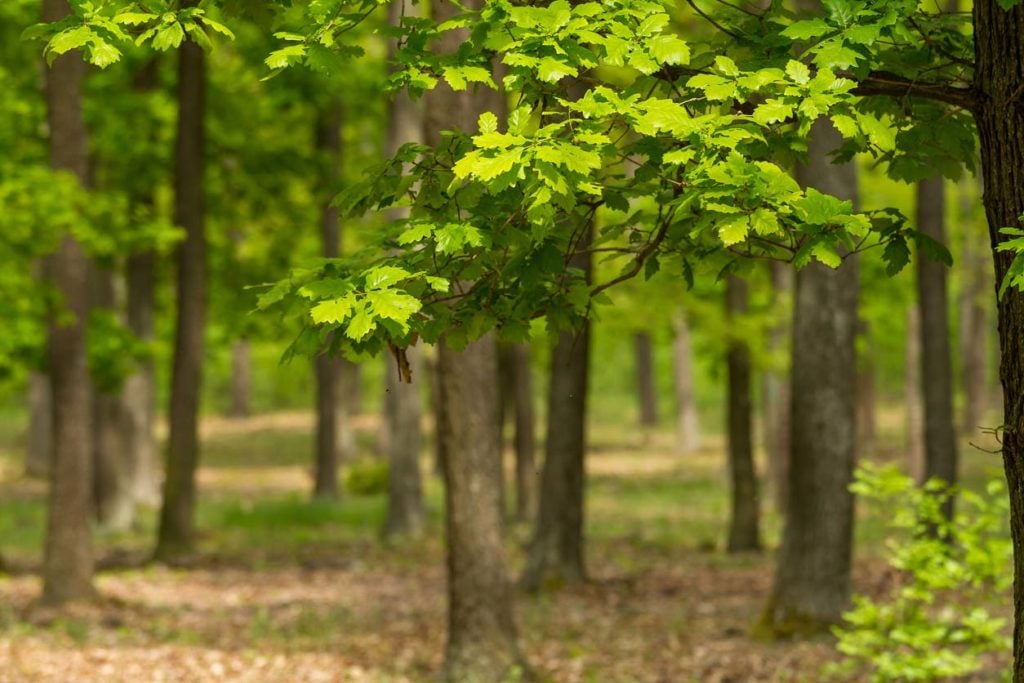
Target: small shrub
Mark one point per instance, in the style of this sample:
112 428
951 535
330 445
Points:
934 624
367 477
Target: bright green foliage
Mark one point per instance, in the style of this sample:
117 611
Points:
1015 273
935 623
678 152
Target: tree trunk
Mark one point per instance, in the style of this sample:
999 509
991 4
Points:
744 533
524 440
139 394
481 627
112 481
39 447
406 515
177 517
687 420
776 388
481 630
556 551
68 557
999 59
645 386
812 579
330 409
940 451
402 402
975 300
912 397
241 379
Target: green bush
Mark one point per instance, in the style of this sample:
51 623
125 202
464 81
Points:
367 477
934 623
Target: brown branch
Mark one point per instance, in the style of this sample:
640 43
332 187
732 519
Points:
882 83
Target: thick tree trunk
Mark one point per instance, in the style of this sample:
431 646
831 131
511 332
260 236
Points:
999 80
776 393
402 402
744 525
556 551
912 397
112 480
39 446
68 557
975 301
241 379
139 394
940 451
481 627
406 515
812 579
330 410
647 390
687 421
177 516
524 440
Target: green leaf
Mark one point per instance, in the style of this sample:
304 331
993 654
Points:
69 39
134 18
669 49
726 66
361 325
286 56
734 230
798 72
772 111
551 70
487 123
383 276
393 304
168 37
807 28
334 311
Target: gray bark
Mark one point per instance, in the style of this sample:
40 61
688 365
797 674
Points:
39 446
812 579
687 419
647 391
139 394
912 397
975 305
776 393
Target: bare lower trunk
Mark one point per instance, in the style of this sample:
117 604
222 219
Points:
646 388
912 397
139 394
406 515
481 627
68 556
687 421
481 630
241 379
556 551
524 441
112 482
39 446
776 394
812 579
744 524
940 451
176 535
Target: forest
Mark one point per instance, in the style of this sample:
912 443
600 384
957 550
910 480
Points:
495 341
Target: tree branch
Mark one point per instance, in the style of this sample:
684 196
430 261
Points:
883 83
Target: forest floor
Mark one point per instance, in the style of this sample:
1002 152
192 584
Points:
287 590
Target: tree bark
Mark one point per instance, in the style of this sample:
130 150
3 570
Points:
331 413
812 578
406 515
744 525
975 301
402 402
999 80
176 535
940 451
139 395
912 397
68 556
646 388
112 481
481 627
39 447
777 388
241 379
524 439
556 552
687 420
